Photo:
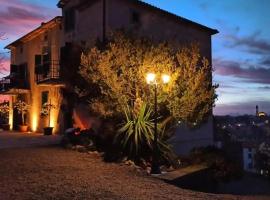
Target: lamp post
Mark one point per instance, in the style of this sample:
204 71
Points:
151 79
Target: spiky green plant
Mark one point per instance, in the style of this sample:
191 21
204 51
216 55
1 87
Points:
136 131
136 134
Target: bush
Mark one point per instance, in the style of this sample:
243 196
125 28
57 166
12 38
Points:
73 137
136 136
223 168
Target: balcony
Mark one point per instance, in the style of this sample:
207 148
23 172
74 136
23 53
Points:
14 84
48 74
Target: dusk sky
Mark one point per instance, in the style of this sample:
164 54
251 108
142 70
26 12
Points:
241 50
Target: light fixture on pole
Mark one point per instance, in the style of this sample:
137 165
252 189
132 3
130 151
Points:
152 80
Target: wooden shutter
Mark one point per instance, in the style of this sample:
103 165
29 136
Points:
38 62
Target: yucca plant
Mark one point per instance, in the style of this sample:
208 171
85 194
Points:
136 134
136 131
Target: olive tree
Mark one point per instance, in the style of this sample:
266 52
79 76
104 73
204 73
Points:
119 69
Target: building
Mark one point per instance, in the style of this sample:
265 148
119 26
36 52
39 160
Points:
84 22
249 151
260 113
34 74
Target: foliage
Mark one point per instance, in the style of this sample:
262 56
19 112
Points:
46 110
118 71
22 108
74 136
136 134
137 130
262 159
4 111
223 168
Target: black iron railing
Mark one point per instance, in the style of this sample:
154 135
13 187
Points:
13 81
48 71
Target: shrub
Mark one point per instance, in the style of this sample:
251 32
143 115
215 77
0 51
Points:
22 108
223 168
136 135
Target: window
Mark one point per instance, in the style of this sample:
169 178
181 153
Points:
44 97
45 37
135 17
69 16
42 63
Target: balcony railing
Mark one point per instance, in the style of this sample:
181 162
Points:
48 73
13 81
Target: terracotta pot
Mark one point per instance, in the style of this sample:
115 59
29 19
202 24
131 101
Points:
6 127
48 130
23 128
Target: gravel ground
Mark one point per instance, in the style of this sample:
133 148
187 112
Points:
54 173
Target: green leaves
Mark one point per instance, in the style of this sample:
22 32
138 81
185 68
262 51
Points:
136 134
137 131
119 71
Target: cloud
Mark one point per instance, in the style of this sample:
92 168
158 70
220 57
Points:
15 15
20 17
264 88
265 61
4 65
249 73
252 44
240 108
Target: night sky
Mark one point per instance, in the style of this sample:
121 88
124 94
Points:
241 51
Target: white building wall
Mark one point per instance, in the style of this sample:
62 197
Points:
248 159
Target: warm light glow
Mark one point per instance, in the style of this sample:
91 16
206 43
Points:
78 121
34 121
34 114
165 78
52 120
10 114
150 78
53 116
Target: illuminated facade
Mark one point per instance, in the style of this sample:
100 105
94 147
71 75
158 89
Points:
34 75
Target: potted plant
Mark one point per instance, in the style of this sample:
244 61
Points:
4 111
46 111
22 108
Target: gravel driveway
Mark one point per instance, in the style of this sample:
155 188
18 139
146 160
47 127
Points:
55 173
13 139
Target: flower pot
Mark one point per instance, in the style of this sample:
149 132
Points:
48 130
23 128
5 127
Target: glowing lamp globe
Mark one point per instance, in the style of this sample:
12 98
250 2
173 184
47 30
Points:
165 78
150 78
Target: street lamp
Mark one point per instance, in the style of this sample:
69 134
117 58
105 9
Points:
152 80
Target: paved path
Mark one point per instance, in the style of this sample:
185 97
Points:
181 172
11 139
